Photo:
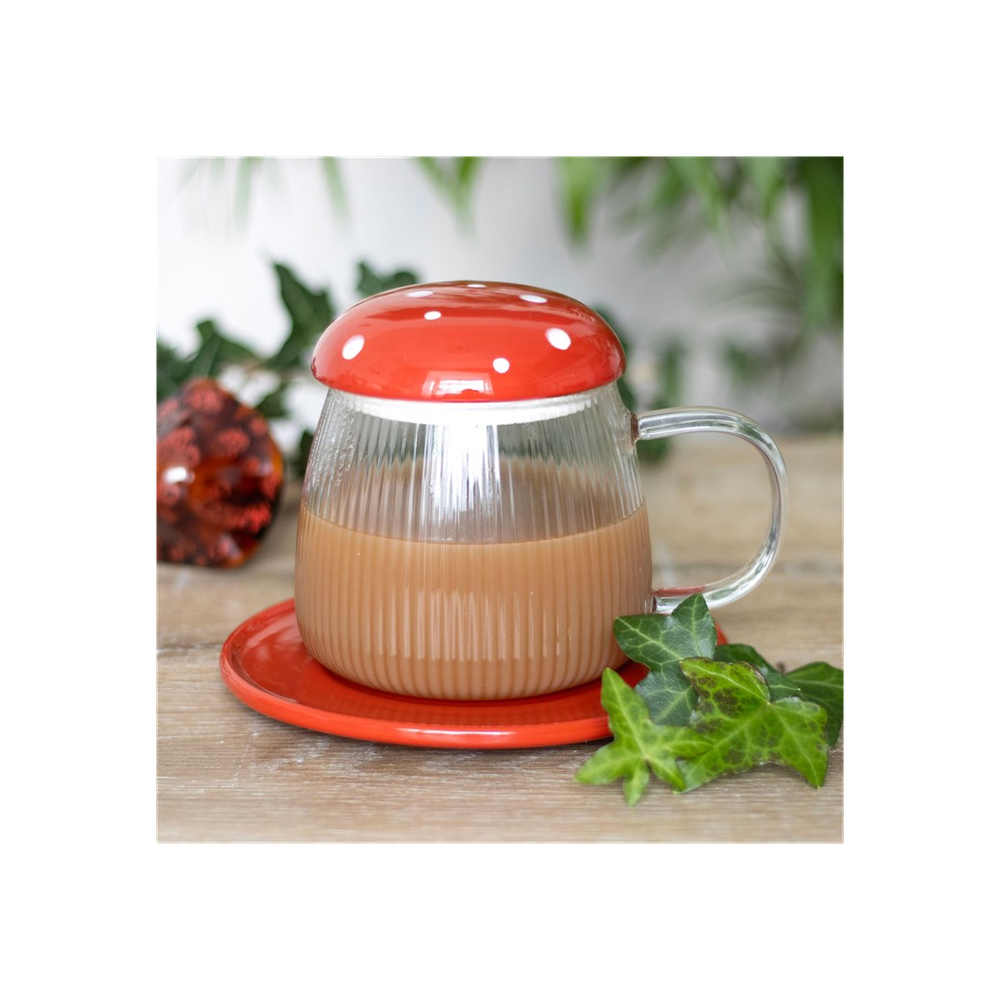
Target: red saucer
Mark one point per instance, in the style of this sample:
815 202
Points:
265 664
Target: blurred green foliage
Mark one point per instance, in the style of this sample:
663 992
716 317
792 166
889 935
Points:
310 311
454 179
667 200
668 385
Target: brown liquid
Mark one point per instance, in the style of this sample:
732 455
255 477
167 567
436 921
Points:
468 621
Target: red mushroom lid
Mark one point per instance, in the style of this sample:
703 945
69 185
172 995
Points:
468 341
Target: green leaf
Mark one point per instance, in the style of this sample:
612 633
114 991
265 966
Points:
668 695
629 400
638 746
653 450
582 180
661 642
274 405
823 684
310 312
722 709
669 368
660 212
745 728
453 177
334 183
767 177
778 684
823 177
699 174
216 351
370 282
706 710
667 392
747 365
301 458
172 371
466 168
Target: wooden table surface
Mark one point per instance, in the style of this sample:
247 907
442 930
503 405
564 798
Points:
229 774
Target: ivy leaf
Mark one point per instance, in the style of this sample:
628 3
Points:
823 684
301 458
668 695
661 642
817 682
217 351
706 710
310 312
370 282
172 371
639 744
274 405
778 684
744 728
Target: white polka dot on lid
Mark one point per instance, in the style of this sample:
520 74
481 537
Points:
478 340
352 347
559 339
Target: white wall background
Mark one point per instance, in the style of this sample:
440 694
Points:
211 264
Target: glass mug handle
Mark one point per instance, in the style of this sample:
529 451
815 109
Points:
667 423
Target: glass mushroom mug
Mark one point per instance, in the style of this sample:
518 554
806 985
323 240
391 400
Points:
472 520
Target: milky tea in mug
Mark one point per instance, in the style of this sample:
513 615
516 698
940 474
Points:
467 619
472 519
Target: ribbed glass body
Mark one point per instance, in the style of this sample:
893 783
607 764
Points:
473 551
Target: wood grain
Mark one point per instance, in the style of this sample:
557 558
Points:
228 774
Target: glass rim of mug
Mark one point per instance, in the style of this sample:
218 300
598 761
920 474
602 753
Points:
451 411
